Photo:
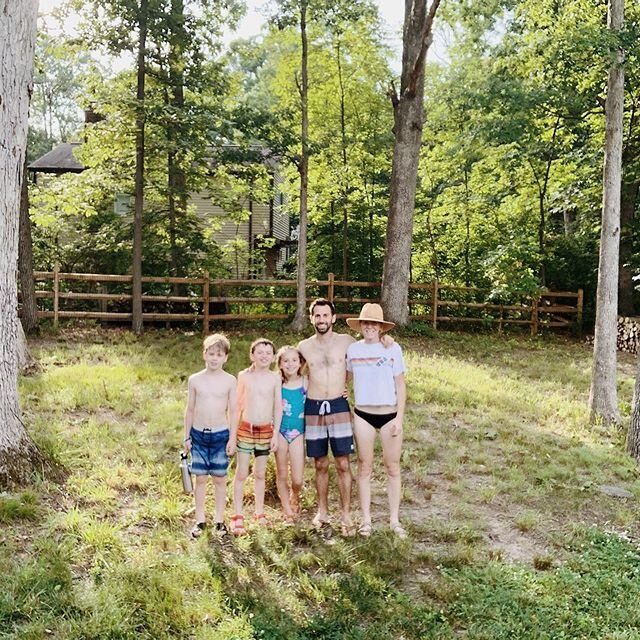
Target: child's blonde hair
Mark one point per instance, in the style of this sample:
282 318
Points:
218 340
281 352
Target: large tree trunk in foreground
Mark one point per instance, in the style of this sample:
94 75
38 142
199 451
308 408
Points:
25 261
603 399
300 319
408 113
18 454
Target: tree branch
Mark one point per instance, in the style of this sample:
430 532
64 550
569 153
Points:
426 38
392 94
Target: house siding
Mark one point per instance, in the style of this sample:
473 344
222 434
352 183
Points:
265 219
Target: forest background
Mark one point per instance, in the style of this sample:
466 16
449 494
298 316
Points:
509 186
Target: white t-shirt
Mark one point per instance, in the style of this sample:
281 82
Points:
374 367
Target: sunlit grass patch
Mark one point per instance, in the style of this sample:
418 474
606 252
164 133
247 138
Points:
526 520
21 506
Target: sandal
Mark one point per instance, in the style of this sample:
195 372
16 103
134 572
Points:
319 523
261 519
347 530
365 529
397 528
237 525
198 529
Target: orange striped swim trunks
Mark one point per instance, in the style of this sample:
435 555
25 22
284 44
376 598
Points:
255 438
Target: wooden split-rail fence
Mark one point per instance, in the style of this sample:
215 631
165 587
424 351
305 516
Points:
107 297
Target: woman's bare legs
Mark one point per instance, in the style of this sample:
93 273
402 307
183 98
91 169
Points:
365 436
391 451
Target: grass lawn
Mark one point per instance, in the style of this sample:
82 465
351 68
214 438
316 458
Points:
510 534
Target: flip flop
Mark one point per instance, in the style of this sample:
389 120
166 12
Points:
398 530
319 523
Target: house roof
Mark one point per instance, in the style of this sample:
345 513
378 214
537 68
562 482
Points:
59 160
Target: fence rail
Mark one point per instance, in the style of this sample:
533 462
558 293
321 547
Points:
206 300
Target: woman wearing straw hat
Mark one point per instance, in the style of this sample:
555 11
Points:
380 397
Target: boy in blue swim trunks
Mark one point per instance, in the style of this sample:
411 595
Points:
211 408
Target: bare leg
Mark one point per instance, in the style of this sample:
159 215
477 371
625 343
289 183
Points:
322 489
242 473
199 494
296 460
365 436
282 475
344 487
259 473
220 485
391 450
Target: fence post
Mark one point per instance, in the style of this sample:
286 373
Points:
579 316
330 278
434 304
535 301
205 303
56 287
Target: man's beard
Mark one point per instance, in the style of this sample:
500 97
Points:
325 328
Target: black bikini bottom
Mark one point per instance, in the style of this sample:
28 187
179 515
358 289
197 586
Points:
376 420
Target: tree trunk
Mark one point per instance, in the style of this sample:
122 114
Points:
345 167
603 401
25 360
408 112
25 261
626 285
300 319
175 161
633 436
18 454
136 303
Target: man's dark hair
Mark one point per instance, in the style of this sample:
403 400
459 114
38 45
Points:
322 302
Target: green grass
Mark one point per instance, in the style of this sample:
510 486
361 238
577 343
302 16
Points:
509 535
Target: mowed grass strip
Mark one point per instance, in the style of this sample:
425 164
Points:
510 535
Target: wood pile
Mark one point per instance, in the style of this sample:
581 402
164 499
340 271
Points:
629 335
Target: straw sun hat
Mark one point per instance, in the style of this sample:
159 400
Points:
373 313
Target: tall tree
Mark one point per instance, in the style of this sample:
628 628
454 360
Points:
25 261
136 269
17 41
408 112
603 400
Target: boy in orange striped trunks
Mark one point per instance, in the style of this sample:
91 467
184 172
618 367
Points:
260 413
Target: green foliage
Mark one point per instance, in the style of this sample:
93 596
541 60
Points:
586 598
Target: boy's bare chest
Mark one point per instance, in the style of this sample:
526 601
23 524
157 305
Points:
260 385
212 389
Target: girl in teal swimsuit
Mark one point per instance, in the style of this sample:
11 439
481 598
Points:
290 451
